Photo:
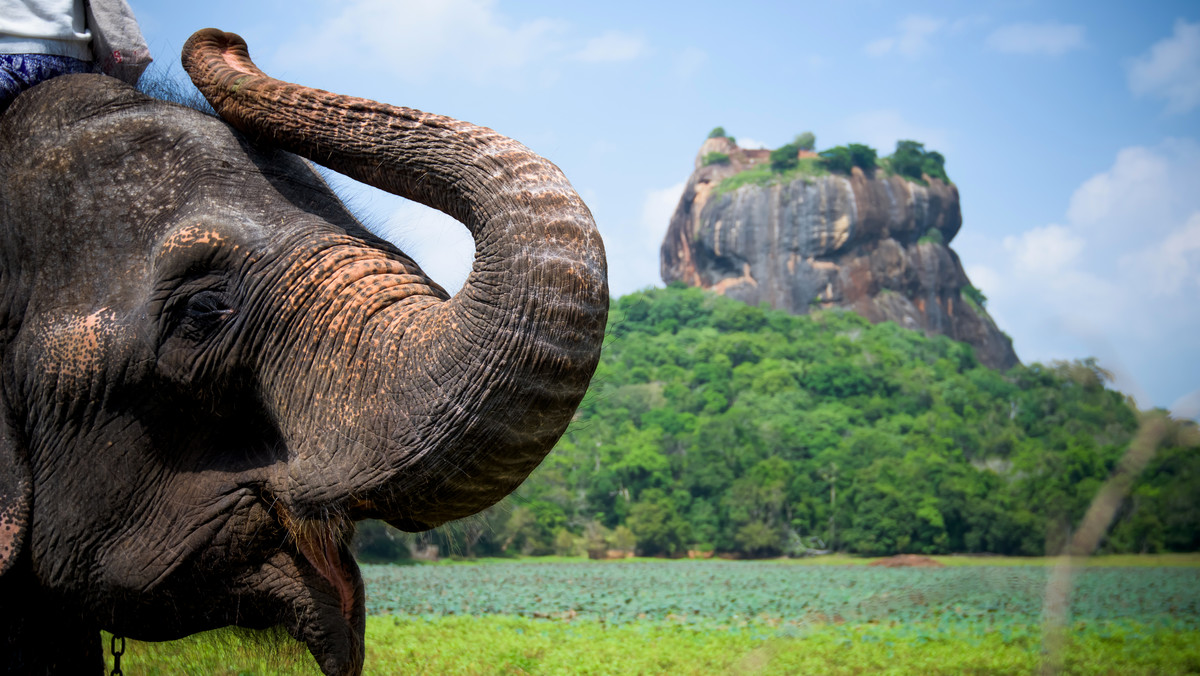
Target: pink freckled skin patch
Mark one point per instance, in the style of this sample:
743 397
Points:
74 346
196 235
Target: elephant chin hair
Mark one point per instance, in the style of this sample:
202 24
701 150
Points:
321 541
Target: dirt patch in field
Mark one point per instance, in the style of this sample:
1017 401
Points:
908 561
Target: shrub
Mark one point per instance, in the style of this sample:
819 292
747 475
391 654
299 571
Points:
935 165
622 538
784 158
863 157
717 132
715 158
837 159
841 159
567 544
912 161
974 296
932 236
908 158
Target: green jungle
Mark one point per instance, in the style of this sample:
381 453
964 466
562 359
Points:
717 427
717 430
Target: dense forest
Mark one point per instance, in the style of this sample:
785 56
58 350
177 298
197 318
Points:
712 425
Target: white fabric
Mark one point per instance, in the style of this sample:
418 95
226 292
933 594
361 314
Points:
118 45
56 27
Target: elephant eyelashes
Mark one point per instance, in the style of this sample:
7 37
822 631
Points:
203 314
207 304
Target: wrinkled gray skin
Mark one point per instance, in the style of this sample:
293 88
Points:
209 370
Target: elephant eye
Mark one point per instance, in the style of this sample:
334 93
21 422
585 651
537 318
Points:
207 304
203 313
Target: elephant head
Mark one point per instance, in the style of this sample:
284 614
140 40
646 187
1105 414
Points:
209 370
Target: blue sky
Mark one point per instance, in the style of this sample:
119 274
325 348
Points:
1072 130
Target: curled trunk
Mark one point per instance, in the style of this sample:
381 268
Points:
453 402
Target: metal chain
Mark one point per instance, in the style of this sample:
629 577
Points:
116 653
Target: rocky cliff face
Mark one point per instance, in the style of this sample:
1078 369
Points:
865 243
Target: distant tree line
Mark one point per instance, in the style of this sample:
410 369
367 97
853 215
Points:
712 425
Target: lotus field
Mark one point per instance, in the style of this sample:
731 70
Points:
760 596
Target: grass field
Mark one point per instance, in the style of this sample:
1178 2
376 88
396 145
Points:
736 617
513 645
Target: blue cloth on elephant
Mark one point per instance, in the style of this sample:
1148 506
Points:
19 72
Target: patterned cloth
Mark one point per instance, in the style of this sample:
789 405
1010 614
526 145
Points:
19 72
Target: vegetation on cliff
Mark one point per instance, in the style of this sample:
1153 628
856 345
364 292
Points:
913 162
786 157
975 297
910 161
806 168
712 424
842 159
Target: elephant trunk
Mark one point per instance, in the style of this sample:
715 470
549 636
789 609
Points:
458 399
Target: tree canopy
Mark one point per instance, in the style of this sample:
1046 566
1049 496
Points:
912 161
841 159
712 424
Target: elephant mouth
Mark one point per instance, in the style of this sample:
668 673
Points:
323 545
333 628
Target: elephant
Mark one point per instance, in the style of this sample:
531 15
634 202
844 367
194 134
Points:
210 370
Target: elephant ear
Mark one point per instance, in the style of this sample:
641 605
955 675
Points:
16 492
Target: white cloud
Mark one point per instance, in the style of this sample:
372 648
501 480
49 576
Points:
1117 279
750 144
1049 39
689 62
612 46
1180 259
1052 247
912 39
968 23
1171 69
468 40
982 276
1141 198
1138 180
1172 265
880 129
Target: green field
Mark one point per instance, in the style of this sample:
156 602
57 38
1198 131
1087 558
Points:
735 617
